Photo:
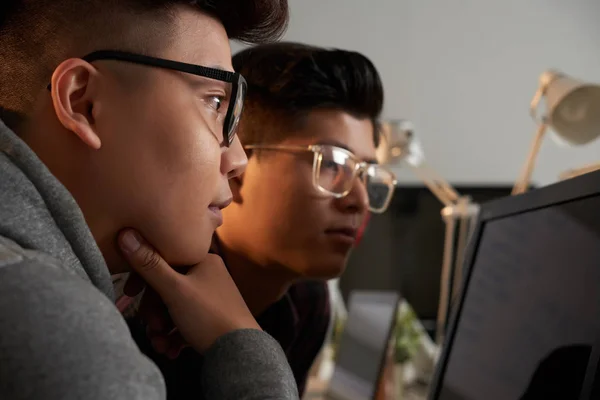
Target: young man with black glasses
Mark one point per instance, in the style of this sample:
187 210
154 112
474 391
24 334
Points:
118 128
310 132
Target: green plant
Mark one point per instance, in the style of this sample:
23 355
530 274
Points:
407 335
338 327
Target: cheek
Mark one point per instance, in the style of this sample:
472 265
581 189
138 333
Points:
168 152
283 205
164 172
186 180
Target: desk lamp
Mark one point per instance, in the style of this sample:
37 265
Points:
573 111
399 146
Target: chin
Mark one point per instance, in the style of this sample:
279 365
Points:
325 269
185 252
188 257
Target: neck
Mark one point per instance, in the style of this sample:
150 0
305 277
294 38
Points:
260 285
65 157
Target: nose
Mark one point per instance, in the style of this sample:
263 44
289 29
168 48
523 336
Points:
234 159
357 200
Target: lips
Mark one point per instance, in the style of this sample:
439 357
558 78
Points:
343 235
220 204
217 214
215 209
350 232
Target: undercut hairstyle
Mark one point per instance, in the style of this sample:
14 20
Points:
37 35
286 81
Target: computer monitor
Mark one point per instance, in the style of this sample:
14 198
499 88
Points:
527 322
408 240
363 345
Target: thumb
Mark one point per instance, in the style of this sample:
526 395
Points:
146 262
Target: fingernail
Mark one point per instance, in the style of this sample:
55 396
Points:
123 302
173 353
130 242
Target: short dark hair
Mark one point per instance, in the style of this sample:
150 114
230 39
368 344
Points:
36 35
288 80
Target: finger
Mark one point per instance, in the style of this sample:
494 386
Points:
123 303
160 343
176 344
151 306
173 353
134 285
157 323
149 264
154 313
170 345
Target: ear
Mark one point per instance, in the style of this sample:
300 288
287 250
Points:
73 99
236 188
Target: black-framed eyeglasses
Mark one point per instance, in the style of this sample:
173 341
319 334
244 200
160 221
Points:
239 87
335 170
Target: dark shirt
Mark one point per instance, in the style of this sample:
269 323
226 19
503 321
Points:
299 322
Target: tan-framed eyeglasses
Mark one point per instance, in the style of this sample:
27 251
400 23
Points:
335 170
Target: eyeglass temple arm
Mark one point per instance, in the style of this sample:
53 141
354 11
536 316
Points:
438 185
276 147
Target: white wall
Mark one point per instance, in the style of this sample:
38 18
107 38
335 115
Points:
464 72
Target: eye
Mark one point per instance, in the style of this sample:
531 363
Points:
216 101
330 164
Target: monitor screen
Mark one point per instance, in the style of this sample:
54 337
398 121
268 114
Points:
363 345
531 311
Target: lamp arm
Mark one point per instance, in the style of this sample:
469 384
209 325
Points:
533 107
572 173
525 177
436 184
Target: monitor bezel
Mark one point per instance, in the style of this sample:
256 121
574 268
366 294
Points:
577 188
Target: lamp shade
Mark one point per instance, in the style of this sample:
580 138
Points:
573 108
398 143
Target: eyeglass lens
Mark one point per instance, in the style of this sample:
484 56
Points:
379 185
236 109
337 171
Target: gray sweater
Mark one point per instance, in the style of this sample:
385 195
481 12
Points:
61 336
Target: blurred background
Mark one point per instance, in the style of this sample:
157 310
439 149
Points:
464 73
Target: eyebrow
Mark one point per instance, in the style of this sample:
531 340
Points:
333 142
